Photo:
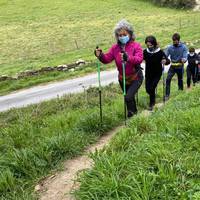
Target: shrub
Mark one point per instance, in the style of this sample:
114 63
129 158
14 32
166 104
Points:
176 3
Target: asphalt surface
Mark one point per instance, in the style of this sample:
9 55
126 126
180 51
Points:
53 90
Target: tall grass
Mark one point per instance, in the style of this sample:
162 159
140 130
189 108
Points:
35 139
156 157
35 34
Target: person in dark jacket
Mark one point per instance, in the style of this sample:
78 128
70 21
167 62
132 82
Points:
192 67
198 68
154 58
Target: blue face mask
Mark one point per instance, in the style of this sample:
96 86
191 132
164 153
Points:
124 39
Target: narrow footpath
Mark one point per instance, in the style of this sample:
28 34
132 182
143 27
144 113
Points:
60 185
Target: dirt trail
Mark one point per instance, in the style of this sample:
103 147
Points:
59 185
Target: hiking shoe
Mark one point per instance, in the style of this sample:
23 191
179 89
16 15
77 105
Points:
166 98
150 108
130 114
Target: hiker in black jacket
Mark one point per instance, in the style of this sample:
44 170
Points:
154 58
192 67
198 68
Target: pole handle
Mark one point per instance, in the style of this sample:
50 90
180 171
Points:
98 71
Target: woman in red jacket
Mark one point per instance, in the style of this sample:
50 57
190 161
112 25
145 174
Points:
129 51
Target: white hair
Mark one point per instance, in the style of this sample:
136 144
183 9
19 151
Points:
124 25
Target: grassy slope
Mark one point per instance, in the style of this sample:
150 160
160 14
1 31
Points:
154 158
41 33
34 34
34 139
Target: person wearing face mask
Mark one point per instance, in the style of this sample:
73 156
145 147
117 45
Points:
129 51
178 56
192 67
154 58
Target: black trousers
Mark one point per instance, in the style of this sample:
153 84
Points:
198 73
151 83
191 73
131 90
172 71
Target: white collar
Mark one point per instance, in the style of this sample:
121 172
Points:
155 51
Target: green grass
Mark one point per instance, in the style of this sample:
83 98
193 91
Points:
35 34
35 139
155 157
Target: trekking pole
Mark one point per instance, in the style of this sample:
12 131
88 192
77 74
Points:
195 75
137 98
137 94
124 90
100 99
163 75
156 91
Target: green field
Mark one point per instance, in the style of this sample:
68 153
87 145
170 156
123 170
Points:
41 33
155 157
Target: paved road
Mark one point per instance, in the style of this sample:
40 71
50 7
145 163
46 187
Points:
41 93
53 90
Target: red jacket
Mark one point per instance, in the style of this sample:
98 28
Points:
135 57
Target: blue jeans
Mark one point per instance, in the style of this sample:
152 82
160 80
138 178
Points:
172 71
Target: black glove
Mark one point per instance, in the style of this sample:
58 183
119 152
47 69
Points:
125 56
95 52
